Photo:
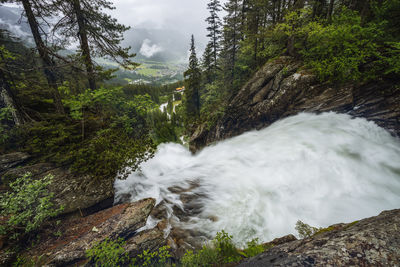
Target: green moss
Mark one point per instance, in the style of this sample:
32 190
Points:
350 224
324 230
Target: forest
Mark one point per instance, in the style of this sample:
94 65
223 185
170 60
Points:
339 41
59 106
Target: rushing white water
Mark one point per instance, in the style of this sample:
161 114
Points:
321 169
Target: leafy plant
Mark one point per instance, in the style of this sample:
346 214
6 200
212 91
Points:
155 258
221 251
5 121
304 230
108 253
253 248
27 205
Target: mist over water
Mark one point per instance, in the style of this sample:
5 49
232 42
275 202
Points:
321 169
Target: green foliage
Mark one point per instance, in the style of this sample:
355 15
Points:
109 152
108 253
155 258
253 248
162 129
391 58
27 205
25 262
192 84
106 133
304 230
221 251
226 249
205 257
5 122
338 51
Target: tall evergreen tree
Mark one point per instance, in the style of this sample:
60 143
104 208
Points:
214 30
207 64
192 82
232 35
98 33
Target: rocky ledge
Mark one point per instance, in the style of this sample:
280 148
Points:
370 242
283 88
81 233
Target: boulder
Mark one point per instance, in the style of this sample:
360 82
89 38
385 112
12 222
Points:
373 241
81 234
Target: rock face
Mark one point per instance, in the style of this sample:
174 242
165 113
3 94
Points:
8 161
370 242
80 234
85 194
282 88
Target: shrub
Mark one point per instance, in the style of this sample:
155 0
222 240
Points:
108 253
155 258
253 248
220 251
27 205
304 230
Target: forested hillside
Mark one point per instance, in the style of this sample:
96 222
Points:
339 41
73 128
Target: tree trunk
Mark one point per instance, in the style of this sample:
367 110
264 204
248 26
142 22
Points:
330 10
84 44
298 4
49 65
9 99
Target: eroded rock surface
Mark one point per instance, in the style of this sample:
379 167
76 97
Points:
80 234
10 160
282 88
370 242
73 192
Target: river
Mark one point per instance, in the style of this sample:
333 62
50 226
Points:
321 169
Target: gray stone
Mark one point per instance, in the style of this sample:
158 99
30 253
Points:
354 244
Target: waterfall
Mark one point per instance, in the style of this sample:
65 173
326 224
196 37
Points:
321 169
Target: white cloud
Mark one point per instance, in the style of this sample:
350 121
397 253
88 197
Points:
185 16
148 49
14 29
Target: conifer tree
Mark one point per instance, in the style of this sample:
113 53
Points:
207 66
232 35
192 82
98 33
214 30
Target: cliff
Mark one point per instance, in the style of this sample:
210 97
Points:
283 88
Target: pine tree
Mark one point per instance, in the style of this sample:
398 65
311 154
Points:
232 35
214 30
207 67
86 21
192 82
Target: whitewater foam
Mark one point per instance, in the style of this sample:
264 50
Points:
321 169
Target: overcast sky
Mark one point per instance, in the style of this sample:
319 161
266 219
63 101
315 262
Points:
185 16
179 19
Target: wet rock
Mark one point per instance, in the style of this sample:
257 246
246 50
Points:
373 241
282 88
10 160
119 221
82 193
147 240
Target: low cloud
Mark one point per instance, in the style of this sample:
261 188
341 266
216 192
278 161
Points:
148 49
